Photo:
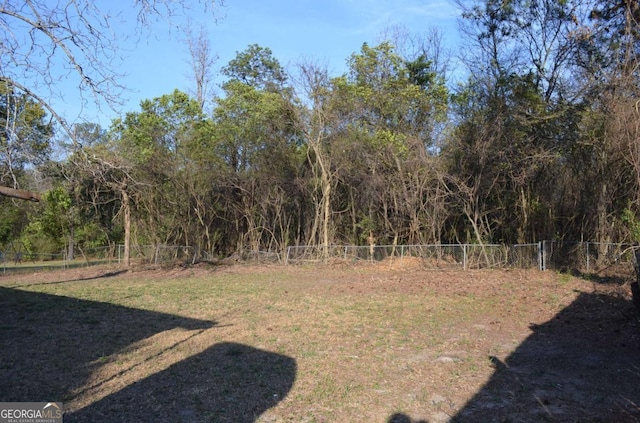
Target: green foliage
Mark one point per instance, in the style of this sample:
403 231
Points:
56 218
252 127
632 223
162 127
539 142
25 136
394 94
35 240
257 68
12 220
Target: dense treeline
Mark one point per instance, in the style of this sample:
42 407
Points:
540 141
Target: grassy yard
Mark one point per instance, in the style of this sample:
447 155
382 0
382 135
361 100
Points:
8 267
322 344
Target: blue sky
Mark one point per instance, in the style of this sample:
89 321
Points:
328 31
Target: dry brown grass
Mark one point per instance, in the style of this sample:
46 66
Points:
320 344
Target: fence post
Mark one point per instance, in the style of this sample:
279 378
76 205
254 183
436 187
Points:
540 263
587 257
544 256
464 256
286 258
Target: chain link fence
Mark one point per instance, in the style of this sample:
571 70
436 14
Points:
20 261
435 256
14 260
584 257
11 261
160 255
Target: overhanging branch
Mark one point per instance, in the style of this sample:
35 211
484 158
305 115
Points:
20 194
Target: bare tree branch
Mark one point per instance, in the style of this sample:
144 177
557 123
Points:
201 61
44 42
20 194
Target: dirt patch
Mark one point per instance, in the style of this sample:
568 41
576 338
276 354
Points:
359 343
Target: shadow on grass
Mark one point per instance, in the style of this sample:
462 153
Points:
51 346
614 276
581 366
101 275
403 418
10 268
227 383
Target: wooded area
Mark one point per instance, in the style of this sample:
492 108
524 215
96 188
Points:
541 141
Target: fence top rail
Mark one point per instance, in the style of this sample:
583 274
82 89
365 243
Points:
559 241
27 254
404 245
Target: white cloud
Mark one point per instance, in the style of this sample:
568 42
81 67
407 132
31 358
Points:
434 10
368 18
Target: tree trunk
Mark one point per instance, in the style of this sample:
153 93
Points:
326 198
21 194
71 249
126 210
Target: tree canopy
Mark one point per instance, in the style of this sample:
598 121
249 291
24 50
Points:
540 141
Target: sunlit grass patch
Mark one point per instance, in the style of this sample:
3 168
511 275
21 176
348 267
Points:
338 345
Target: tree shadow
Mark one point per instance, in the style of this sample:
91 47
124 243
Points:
617 275
52 346
403 418
101 275
226 383
581 366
